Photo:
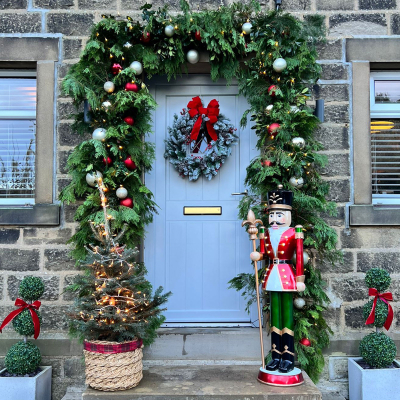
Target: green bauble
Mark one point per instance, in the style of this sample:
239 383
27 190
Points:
378 279
23 323
381 312
31 288
23 358
378 350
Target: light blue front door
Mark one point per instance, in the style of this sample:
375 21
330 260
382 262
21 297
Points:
195 256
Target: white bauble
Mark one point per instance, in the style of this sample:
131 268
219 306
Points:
137 67
299 142
296 182
91 177
109 87
294 109
106 105
269 108
193 56
279 64
247 27
169 31
127 45
99 134
299 303
121 192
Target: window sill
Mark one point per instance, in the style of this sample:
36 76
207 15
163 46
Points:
38 214
367 214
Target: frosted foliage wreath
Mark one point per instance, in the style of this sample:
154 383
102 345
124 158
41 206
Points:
200 140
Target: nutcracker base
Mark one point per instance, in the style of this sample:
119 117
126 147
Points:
276 378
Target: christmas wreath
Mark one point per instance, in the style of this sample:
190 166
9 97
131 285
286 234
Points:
200 140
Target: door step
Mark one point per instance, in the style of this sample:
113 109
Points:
206 382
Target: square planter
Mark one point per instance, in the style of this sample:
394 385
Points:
373 384
27 388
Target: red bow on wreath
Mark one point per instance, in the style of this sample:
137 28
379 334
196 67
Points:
195 107
31 307
385 297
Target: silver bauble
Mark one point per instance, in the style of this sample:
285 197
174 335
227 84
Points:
99 134
279 64
109 87
296 182
294 109
269 108
121 192
137 67
91 177
169 31
106 105
193 56
247 27
127 45
299 142
299 303
306 258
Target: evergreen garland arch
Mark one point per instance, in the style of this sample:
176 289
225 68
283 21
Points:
275 98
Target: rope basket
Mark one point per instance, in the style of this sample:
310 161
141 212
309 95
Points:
112 366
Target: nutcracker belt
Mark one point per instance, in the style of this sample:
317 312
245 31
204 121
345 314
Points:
275 261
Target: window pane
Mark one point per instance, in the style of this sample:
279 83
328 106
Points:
17 98
387 92
385 156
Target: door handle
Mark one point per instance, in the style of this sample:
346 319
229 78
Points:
245 193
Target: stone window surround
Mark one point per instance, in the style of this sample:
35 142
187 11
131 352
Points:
368 54
44 53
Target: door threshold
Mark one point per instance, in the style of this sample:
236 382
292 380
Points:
208 325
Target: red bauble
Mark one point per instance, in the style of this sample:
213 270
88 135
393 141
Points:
127 202
132 87
116 68
305 342
197 36
130 164
273 129
107 161
145 37
268 163
129 120
271 90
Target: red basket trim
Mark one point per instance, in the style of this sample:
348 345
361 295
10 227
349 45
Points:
112 348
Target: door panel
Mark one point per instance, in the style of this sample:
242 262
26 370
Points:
195 256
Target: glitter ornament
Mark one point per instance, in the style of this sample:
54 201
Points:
121 192
99 134
279 64
296 182
299 303
109 87
91 178
137 67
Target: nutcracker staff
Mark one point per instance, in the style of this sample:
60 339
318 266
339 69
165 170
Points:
277 247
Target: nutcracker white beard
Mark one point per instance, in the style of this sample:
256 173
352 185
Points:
275 237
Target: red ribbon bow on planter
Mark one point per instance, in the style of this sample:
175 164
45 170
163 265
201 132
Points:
31 307
195 107
385 297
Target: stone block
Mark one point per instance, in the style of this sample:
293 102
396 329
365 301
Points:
67 295
334 72
55 363
339 267
339 191
72 48
69 212
66 137
332 318
62 71
371 237
67 110
20 23
395 24
330 50
385 260
338 165
70 24
331 92
97 4
51 287
9 236
354 319
62 161
54 4
47 235
1 287
338 369
357 24
333 137
329 5
350 289
58 260
19 260
62 184
54 318
337 220
15 4
296 5
337 114
377 4
74 367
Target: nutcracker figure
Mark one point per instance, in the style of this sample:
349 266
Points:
278 244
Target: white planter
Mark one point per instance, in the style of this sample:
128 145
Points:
373 384
26 388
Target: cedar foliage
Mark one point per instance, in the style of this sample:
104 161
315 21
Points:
274 34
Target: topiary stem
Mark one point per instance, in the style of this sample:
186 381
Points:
25 338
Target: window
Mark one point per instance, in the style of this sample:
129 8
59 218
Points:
17 137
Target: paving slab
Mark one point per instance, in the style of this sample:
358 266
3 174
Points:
206 382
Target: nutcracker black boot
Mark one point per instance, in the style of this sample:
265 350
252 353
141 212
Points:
276 349
287 362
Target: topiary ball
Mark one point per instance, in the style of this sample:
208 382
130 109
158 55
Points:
378 350
23 358
31 288
381 312
377 278
23 323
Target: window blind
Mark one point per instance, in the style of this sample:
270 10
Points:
17 140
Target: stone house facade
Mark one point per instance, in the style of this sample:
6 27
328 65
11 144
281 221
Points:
50 34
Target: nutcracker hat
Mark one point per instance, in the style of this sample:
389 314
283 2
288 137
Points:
280 199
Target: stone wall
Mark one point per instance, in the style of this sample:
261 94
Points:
43 251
